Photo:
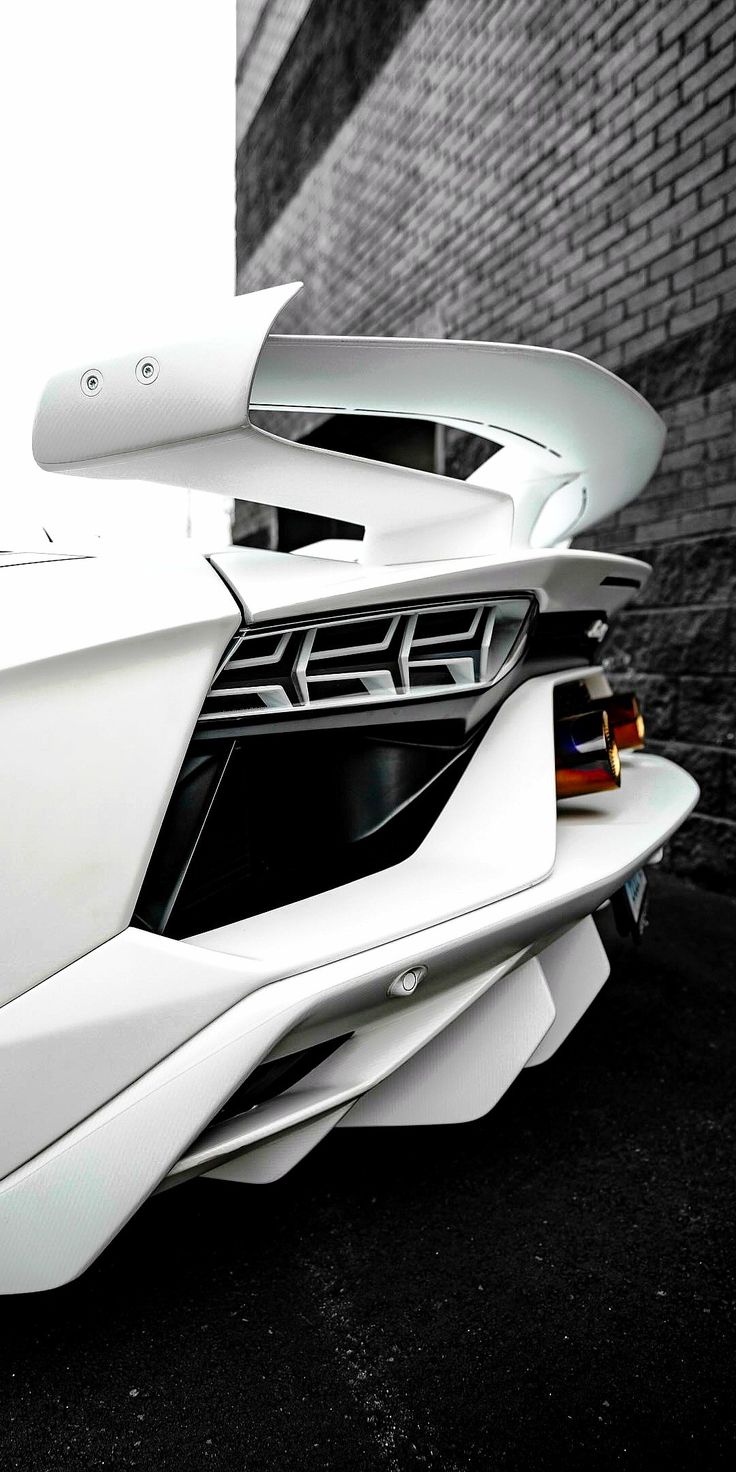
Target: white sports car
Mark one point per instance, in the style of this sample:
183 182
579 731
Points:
297 841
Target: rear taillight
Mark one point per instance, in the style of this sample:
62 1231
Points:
586 755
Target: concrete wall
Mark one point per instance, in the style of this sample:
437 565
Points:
562 175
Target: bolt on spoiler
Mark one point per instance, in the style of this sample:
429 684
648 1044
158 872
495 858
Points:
576 442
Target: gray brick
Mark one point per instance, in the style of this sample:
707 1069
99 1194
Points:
708 569
706 710
707 764
708 23
699 80
659 702
708 121
665 584
684 15
696 177
698 270
704 851
576 189
721 87
688 321
716 188
667 265
687 637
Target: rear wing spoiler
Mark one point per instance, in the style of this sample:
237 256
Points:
577 443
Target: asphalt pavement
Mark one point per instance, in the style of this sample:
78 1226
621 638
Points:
552 1286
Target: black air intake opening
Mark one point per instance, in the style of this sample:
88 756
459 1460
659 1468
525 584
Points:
262 821
277 1075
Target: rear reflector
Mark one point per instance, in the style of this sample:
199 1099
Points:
586 755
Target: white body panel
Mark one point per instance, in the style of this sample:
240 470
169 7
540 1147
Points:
119 1048
201 389
268 585
561 420
262 1164
463 1072
58 1211
558 417
104 664
70 1043
496 835
575 968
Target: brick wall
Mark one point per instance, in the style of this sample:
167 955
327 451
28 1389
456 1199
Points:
562 175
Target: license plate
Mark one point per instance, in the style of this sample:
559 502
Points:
635 890
630 905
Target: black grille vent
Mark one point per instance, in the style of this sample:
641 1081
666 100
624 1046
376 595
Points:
388 656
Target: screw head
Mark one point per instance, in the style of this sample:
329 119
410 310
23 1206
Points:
91 382
147 370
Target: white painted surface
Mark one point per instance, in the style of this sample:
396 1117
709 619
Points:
104 665
575 968
58 1211
463 1072
383 1041
599 841
495 836
263 1164
270 585
200 389
75 1040
559 418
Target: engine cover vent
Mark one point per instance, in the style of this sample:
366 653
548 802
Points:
384 657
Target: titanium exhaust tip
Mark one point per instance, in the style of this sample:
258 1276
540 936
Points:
586 755
625 717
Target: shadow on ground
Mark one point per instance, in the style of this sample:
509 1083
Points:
552 1285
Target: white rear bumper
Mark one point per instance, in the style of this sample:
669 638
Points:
122 1058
